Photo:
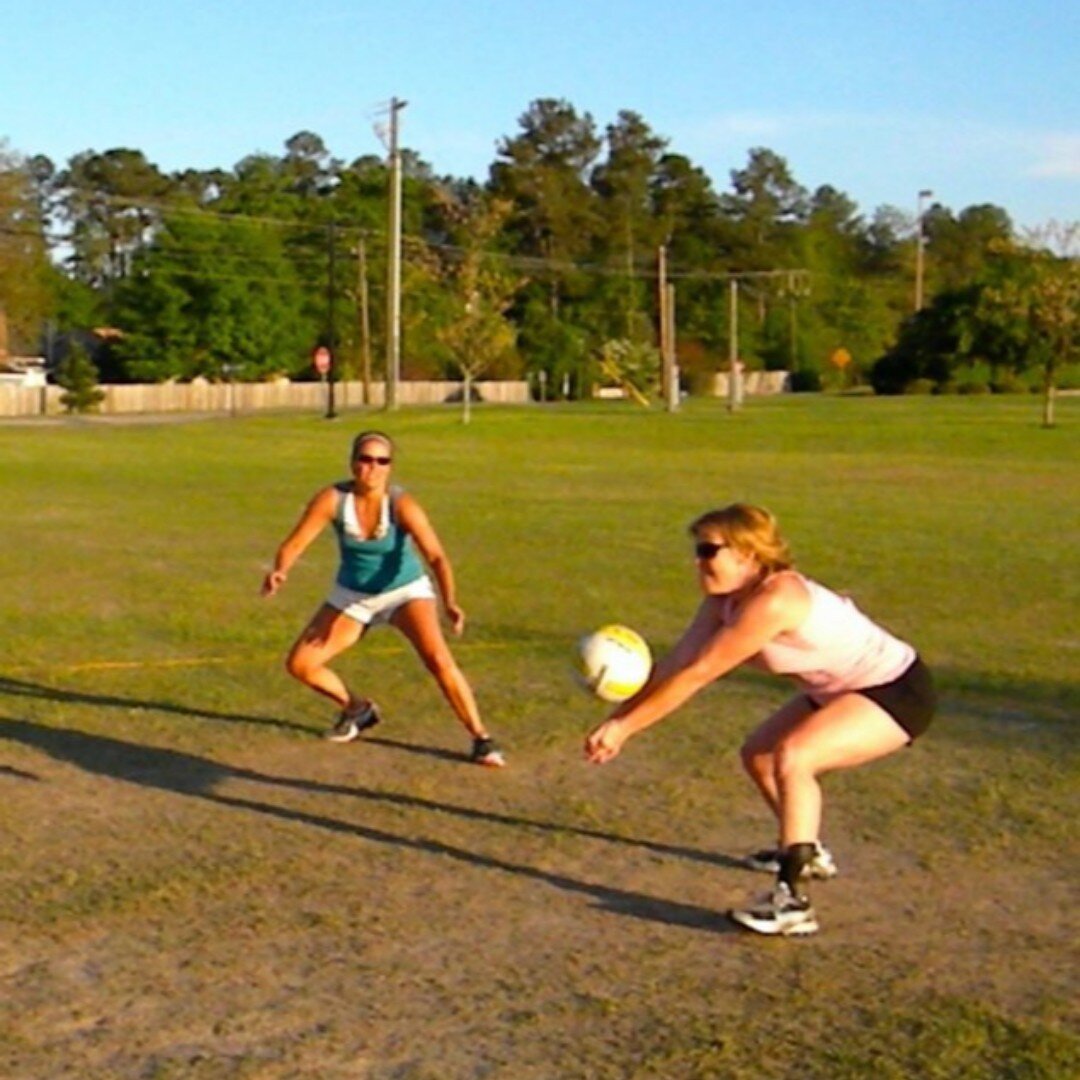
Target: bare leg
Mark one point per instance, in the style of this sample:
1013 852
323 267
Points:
329 633
759 751
418 620
849 731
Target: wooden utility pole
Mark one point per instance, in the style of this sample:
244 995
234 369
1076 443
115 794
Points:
671 387
734 375
393 265
664 299
365 320
331 329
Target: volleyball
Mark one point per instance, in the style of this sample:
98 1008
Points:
613 662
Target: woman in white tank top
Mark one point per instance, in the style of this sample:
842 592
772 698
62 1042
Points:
863 692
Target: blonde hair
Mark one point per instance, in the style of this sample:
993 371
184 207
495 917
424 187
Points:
750 530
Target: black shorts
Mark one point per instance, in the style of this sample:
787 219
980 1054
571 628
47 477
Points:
910 700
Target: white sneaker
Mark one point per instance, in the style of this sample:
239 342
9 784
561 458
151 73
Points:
485 752
778 913
351 724
822 866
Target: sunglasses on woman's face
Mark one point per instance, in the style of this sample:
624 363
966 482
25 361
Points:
372 459
707 549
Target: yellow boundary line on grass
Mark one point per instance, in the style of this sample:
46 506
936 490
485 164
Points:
206 661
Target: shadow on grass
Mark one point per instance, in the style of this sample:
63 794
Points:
1023 711
197 777
19 774
21 688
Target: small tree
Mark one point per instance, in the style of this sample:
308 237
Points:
1040 297
79 378
632 365
478 334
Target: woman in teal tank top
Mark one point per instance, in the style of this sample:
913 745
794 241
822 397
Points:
384 541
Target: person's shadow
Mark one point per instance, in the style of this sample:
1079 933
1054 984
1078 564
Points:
199 777
21 688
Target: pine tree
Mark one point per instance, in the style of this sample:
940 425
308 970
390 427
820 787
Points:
79 378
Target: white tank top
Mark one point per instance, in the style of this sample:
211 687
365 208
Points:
836 649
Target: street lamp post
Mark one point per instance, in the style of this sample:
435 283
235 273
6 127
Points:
920 244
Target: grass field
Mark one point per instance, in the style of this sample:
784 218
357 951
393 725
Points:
192 884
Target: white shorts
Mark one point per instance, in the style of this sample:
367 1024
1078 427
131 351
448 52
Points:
373 609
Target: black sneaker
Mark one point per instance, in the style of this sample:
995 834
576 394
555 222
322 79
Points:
779 913
485 752
822 866
353 722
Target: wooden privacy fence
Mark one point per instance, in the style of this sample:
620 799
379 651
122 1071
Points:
754 382
200 396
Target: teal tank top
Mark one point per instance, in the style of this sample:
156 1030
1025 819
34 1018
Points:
376 564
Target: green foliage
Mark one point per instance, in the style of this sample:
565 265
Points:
1019 321
1036 302
187 311
79 378
931 344
554 349
24 268
249 265
478 289
111 200
632 365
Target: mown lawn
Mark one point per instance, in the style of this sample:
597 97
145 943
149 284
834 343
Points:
193 885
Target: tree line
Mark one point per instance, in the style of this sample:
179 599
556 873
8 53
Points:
547 269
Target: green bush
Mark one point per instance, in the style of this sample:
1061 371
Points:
805 381
1009 382
79 378
973 378
1068 377
921 386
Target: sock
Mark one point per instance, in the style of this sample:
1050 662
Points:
792 860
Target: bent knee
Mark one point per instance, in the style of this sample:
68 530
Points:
298 664
755 760
793 758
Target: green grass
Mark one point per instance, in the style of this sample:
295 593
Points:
143 668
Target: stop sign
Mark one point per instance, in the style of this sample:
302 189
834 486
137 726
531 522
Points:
320 359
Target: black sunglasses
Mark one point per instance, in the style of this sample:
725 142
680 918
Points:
706 549
372 459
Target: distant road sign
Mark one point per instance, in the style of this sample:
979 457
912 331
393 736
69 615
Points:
841 358
320 359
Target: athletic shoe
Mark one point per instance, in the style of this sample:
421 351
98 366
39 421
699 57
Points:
351 723
485 752
779 913
822 866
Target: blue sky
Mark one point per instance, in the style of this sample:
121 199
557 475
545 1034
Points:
977 100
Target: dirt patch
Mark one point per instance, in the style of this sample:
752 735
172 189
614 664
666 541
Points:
386 911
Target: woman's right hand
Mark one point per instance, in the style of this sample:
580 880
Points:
605 742
273 581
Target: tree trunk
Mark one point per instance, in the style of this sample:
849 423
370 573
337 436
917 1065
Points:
1049 392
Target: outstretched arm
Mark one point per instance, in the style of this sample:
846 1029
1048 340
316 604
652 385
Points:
416 523
316 516
707 650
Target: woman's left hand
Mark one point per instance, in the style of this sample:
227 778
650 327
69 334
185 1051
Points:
456 618
605 742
